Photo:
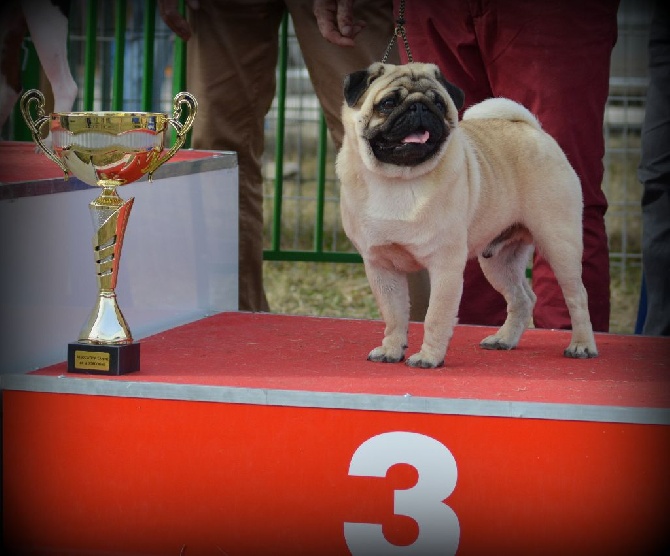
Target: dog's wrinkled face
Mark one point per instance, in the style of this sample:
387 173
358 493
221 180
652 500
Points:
402 114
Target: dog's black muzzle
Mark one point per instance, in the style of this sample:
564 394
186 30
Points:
411 135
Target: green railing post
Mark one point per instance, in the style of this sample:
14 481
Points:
90 53
322 155
179 65
119 53
179 72
279 147
148 65
30 80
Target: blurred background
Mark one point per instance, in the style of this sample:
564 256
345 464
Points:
310 267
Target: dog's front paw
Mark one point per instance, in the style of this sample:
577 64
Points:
423 361
383 354
579 350
496 342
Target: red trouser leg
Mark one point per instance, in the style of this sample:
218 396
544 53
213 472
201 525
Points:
553 57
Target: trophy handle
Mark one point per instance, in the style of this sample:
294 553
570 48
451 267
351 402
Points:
182 129
35 96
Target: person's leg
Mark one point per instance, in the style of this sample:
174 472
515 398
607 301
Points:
554 58
329 64
656 262
232 57
654 173
442 32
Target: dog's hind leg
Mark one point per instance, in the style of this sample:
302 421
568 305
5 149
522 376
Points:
565 259
506 271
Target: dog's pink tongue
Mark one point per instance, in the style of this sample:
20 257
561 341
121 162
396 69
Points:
417 138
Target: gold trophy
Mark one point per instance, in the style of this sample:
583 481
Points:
108 150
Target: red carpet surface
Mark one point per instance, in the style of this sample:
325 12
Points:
329 355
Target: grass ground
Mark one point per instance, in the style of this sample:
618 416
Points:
319 289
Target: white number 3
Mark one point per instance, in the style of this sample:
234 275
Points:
439 530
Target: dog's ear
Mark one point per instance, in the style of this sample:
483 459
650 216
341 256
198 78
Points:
456 94
355 84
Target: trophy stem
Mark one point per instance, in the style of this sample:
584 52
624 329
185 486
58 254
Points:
110 214
106 325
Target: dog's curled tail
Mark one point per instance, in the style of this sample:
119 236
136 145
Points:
501 108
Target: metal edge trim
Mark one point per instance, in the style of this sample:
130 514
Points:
337 400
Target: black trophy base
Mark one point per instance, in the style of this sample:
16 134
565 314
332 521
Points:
103 359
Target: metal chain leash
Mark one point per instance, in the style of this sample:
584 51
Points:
399 31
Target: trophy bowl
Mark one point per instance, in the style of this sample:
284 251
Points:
107 150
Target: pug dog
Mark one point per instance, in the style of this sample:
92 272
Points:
419 189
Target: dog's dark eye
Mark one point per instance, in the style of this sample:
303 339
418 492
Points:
387 104
440 104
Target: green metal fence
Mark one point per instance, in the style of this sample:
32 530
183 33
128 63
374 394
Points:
276 252
93 66
89 31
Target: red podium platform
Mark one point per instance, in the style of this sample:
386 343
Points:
248 434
